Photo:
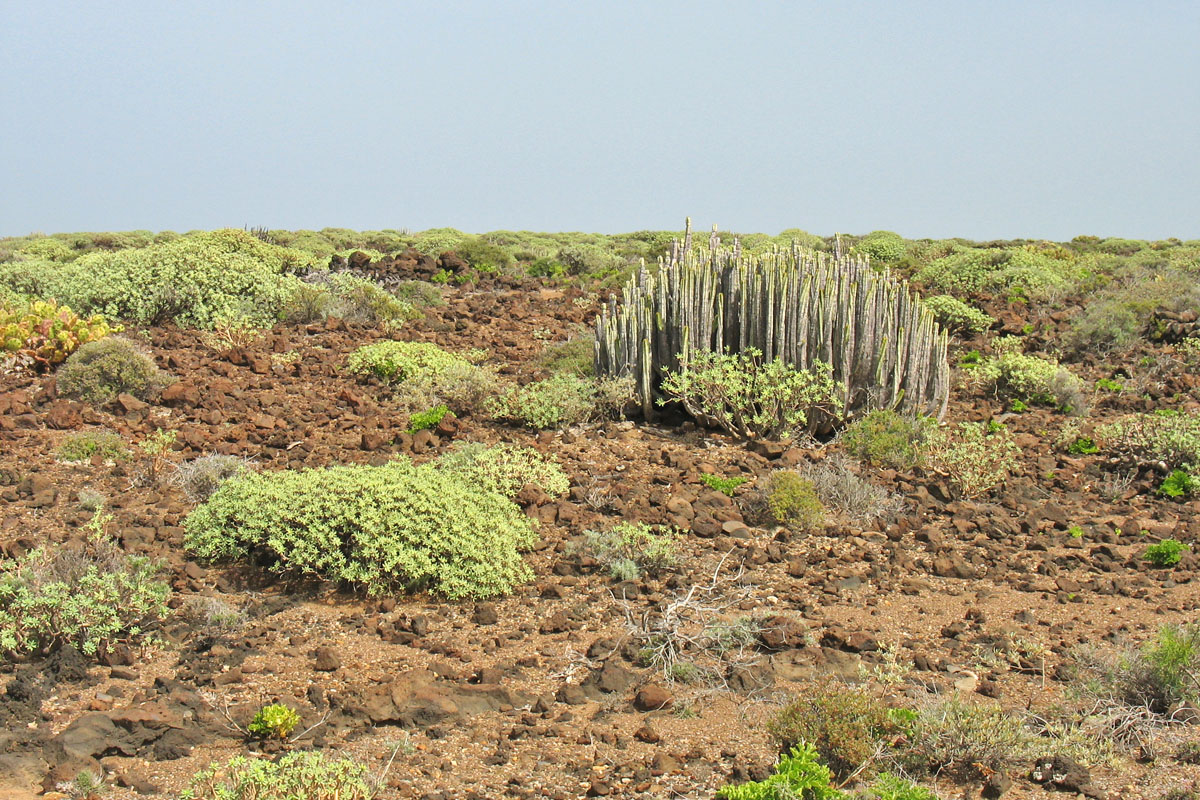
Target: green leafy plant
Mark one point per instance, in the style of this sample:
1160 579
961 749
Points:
748 396
98 371
305 775
889 439
790 499
1172 439
630 548
977 459
505 468
798 776
1180 483
846 728
958 317
891 787
89 595
562 399
1109 385
424 420
45 332
424 376
379 528
84 445
1166 553
970 360
1083 446
724 485
1016 376
958 737
275 721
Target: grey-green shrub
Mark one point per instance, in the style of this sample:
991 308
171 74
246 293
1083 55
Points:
1167 437
202 476
956 316
1014 375
395 526
886 438
302 775
505 468
560 400
98 371
83 445
424 375
630 548
1032 270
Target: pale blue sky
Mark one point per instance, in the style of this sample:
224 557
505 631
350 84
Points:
976 119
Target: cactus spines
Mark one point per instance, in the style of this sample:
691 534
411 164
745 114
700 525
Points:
884 346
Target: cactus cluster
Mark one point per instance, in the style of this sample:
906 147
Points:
885 348
46 332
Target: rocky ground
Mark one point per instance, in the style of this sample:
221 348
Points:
541 694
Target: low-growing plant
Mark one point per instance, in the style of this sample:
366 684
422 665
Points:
88 594
424 376
45 332
748 396
839 487
787 498
958 317
84 445
891 787
357 299
975 458
955 736
424 420
1109 385
505 468
202 476
1169 440
799 774
98 371
304 775
630 548
232 332
397 362
847 728
724 485
1180 483
91 500
1013 375
1166 553
562 399
575 356
394 526
886 438
275 721
213 615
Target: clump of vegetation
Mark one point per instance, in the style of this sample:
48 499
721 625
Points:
562 399
748 396
1180 483
839 487
958 317
886 438
88 594
98 371
1169 440
84 445
1031 379
202 476
275 721
395 526
305 775
630 548
976 457
799 774
726 486
1029 271
424 420
349 297
846 727
575 356
505 468
424 375
46 333
787 498
882 247
958 737
1166 553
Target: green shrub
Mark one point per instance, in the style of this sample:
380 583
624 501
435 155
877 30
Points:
558 401
846 727
1170 439
505 468
747 396
46 332
886 438
424 375
90 595
723 485
85 444
589 259
424 420
1030 270
396 362
195 280
630 548
798 776
954 736
883 247
1122 686
792 500
436 241
379 528
976 459
419 294
958 317
201 477
275 721
304 775
1034 379
483 255
1166 553
1104 325
890 787
574 357
1180 483
358 299
1083 446
98 371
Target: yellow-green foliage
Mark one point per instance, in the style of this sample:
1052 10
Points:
560 400
397 362
506 468
1036 379
46 331
845 726
956 316
378 528
85 444
99 371
302 775
889 439
424 376
883 247
792 500
195 280
275 721
1031 269
89 595
1167 436
977 459
436 241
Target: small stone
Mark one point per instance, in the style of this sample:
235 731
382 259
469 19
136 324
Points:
327 660
652 697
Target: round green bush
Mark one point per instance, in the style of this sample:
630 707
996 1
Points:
792 500
395 526
888 439
396 362
99 371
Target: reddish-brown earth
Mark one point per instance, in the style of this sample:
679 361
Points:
540 694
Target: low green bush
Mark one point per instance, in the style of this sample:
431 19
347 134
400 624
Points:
275 721
798 775
838 486
883 247
98 371
85 444
1170 439
1030 270
574 356
396 362
1122 685
356 299
395 526
1014 375
846 727
977 459
563 399
630 548
748 396
424 420
1166 553
90 595
303 775
958 317
1180 483
725 486
886 438
424 376
957 737
505 468
790 499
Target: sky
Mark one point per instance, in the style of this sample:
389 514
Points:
933 119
